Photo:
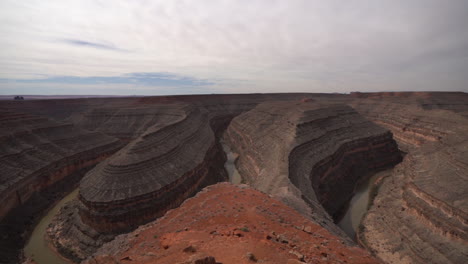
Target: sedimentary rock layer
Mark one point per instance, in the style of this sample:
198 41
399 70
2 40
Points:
322 149
39 160
37 152
230 224
153 173
174 158
420 213
312 148
452 101
126 121
411 125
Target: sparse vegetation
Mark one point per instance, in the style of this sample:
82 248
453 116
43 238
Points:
244 229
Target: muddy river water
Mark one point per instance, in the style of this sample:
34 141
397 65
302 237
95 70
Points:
359 204
37 247
230 166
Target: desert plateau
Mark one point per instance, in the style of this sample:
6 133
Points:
151 178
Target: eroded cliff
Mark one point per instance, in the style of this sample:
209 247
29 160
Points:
420 212
307 151
177 155
36 155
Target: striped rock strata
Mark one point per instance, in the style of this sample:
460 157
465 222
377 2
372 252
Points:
420 214
36 154
317 152
157 171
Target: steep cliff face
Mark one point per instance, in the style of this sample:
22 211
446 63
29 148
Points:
322 149
37 152
166 165
173 159
39 159
420 213
230 224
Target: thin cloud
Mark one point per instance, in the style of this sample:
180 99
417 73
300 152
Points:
82 43
140 78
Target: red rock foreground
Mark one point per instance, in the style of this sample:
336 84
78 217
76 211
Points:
227 223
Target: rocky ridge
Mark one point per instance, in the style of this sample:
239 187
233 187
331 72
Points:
225 223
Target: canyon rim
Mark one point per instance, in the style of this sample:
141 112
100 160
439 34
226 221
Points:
150 173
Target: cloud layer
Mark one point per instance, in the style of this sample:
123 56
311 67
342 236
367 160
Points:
234 46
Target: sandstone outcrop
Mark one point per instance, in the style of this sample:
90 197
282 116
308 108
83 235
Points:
322 149
420 212
231 224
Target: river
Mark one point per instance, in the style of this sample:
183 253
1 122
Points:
37 247
358 205
230 165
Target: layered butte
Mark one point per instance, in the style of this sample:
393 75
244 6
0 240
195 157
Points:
153 173
420 214
322 149
177 155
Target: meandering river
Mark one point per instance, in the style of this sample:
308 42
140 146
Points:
37 247
358 205
230 166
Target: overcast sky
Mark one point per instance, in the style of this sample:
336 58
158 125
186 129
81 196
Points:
219 46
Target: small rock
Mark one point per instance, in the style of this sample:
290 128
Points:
324 256
251 257
308 229
205 260
189 249
297 254
283 239
294 261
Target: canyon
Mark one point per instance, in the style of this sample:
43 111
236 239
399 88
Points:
143 164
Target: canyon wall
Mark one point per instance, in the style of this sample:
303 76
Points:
307 151
37 152
420 214
39 160
178 154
